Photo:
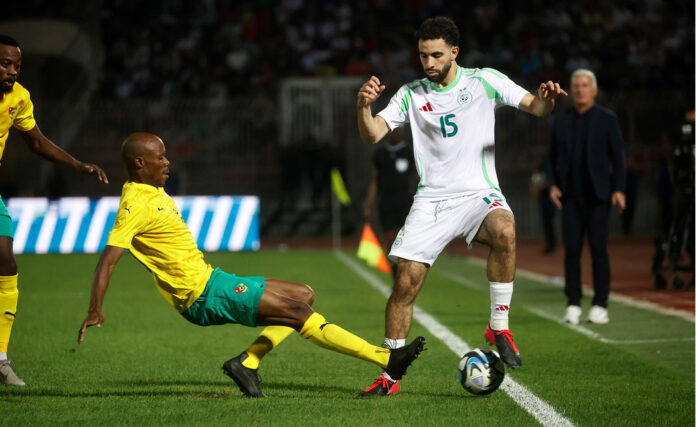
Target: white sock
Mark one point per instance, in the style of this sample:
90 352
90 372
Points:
392 343
3 356
501 295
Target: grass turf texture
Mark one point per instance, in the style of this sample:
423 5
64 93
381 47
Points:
147 365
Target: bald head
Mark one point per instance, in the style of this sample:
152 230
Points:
144 156
137 144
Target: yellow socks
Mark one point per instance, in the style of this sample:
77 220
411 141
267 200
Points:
269 337
335 338
8 308
321 333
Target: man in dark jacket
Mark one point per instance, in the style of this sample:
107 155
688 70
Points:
587 176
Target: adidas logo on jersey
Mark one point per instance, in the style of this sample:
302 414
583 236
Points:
426 107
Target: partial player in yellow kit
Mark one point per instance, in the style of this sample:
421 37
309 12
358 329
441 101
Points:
17 110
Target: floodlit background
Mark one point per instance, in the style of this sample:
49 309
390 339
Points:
257 97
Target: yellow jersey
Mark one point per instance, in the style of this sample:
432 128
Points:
150 226
16 110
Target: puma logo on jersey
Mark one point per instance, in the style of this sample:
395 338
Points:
127 209
426 107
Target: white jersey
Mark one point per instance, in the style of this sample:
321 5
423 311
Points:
453 129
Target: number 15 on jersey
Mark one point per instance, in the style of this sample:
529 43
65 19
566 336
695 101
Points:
447 126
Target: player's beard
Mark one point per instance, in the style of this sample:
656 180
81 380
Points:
5 88
441 74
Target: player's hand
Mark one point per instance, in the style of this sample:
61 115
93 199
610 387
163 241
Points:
618 199
555 196
369 92
93 319
550 90
93 169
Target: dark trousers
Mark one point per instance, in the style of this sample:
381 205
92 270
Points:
591 218
548 211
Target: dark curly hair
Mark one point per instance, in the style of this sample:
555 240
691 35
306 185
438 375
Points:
440 27
9 41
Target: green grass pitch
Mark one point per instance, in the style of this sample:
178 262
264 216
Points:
148 366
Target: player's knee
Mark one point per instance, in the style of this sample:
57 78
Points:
306 294
405 291
8 265
505 236
298 311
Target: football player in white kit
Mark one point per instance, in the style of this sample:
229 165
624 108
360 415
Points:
452 118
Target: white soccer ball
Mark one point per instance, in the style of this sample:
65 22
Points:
481 371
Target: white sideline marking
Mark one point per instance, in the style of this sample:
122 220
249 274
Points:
577 328
558 282
544 413
595 336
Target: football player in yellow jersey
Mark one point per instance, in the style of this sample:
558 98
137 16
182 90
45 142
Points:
150 226
17 110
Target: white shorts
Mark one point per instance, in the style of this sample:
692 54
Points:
432 224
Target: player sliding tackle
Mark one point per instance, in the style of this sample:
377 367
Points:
150 226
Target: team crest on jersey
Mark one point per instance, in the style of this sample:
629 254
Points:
12 112
240 289
465 97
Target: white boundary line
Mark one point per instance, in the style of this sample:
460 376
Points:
544 413
577 328
613 296
595 336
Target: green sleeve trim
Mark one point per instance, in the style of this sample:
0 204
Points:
485 171
406 102
490 90
414 84
495 72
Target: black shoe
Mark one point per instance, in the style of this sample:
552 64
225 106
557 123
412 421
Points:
401 358
506 346
247 379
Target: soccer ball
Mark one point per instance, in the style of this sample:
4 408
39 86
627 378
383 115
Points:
481 371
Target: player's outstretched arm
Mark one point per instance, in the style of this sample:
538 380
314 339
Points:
44 147
102 275
542 104
372 129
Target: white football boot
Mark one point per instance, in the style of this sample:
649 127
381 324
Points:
7 375
572 315
598 315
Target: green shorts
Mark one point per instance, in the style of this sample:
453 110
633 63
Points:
5 221
227 298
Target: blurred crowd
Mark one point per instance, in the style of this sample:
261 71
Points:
205 74
217 48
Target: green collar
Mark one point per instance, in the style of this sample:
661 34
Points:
449 86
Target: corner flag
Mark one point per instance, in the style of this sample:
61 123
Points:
371 251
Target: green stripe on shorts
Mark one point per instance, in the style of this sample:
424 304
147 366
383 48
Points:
227 298
5 221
